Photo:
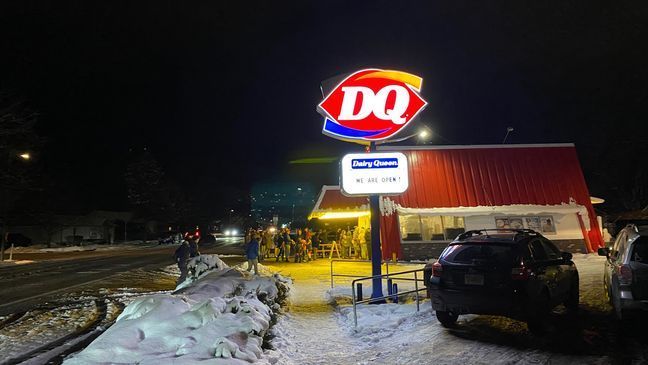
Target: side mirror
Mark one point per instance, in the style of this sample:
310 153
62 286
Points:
604 251
567 256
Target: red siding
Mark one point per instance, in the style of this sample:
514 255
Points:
491 176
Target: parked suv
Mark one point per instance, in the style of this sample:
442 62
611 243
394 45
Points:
514 273
626 271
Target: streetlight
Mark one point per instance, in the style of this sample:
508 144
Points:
25 156
423 134
508 131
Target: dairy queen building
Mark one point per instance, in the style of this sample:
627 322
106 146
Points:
457 188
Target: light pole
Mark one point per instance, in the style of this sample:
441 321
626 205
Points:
25 156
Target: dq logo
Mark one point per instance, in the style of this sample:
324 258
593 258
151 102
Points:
371 105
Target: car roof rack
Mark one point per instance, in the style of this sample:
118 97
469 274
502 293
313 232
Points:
484 232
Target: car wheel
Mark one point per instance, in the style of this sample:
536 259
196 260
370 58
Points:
573 299
447 319
616 304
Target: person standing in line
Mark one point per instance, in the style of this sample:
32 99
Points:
193 247
181 257
362 239
344 244
281 247
252 254
355 243
289 244
268 243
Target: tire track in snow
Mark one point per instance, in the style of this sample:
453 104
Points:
101 306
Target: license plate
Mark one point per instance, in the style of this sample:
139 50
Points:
474 279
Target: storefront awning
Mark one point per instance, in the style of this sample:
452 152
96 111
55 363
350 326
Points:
331 204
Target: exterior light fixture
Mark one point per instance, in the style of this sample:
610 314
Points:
344 215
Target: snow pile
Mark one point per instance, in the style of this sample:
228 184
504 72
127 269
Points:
201 265
382 319
219 315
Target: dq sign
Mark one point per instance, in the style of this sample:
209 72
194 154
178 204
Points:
371 105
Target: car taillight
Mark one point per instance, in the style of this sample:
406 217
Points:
625 274
520 273
437 269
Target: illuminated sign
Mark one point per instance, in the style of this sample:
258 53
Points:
374 173
371 105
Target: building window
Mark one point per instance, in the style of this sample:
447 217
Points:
410 226
415 227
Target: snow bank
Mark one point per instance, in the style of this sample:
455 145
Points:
382 319
219 314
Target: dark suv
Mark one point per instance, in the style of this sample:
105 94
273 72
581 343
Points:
514 273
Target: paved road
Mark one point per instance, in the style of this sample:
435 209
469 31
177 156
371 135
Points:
23 286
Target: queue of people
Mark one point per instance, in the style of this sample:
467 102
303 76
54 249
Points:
303 245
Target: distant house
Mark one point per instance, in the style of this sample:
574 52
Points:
99 226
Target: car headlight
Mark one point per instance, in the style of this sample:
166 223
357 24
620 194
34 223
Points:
234 232
227 233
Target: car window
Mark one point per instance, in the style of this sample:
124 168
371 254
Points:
640 250
469 253
538 251
553 253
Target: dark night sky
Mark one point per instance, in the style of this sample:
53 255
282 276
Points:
224 92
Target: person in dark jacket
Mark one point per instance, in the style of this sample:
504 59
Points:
181 257
193 247
283 242
252 254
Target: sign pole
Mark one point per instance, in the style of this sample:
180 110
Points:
376 252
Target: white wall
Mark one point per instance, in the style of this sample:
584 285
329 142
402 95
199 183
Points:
567 226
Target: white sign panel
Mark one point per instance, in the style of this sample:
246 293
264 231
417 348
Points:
374 173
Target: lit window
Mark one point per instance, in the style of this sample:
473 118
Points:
414 227
432 228
410 226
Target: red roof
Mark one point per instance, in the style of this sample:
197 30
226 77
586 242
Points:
473 176
332 199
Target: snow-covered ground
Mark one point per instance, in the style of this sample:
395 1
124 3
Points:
227 316
315 332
